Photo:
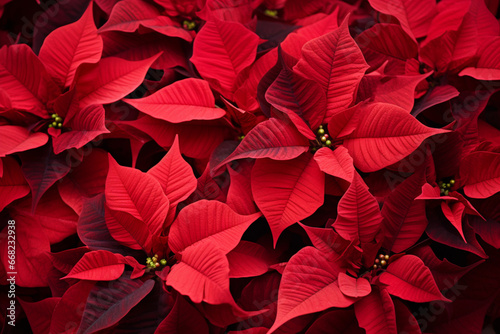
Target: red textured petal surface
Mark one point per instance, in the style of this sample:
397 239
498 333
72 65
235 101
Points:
70 46
408 278
287 191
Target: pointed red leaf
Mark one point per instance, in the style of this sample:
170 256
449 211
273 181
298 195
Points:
331 243
138 194
414 16
39 313
295 40
480 172
397 90
121 297
221 51
175 175
67 314
184 318
434 96
375 313
57 220
309 285
245 119
408 278
287 191
15 139
443 271
488 230
300 98
344 122
454 213
182 101
248 259
85 180
335 61
336 163
274 138
384 135
85 126
42 168
24 78
93 231
111 79
202 275
455 34
131 15
261 293
354 287
359 215
128 15
128 230
208 221
197 139
340 321
65 261
488 65
404 217
12 183
384 42
405 319
68 47
440 230
239 194
98 265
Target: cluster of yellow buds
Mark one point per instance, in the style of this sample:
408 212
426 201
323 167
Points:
446 186
271 13
381 261
57 123
152 262
323 138
188 25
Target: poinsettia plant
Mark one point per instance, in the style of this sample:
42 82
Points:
257 166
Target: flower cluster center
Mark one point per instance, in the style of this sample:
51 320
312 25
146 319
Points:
322 139
188 25
445 186
57 121
152 262
271 13
381 261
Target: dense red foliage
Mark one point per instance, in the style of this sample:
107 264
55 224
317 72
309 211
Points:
250 166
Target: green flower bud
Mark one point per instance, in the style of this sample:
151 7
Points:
271 12
328 142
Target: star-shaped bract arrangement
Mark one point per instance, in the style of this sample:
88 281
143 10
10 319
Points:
252 166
